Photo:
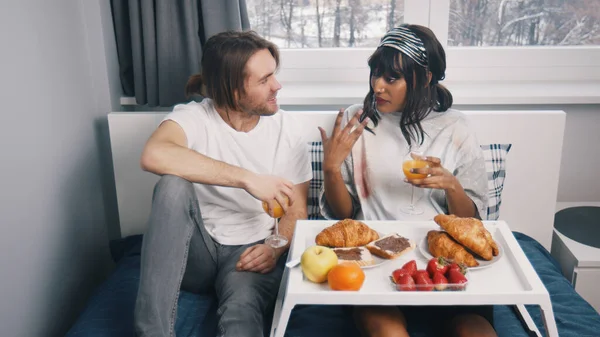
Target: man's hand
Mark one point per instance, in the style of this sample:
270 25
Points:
260 258
270 188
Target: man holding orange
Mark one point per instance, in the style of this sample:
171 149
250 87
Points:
219 160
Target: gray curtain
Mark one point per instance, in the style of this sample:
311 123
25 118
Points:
159 43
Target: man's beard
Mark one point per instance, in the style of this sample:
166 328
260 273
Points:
264 109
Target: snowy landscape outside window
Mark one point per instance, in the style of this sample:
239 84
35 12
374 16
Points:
324 23
524 22
481 23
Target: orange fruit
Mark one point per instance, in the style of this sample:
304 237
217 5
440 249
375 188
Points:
278 210
346 276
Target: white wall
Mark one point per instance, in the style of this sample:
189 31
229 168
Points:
54 96
104 72
580 168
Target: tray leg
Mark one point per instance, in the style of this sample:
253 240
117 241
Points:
279 301
548 316
525 317
284 317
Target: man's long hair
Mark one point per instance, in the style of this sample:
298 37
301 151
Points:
224 61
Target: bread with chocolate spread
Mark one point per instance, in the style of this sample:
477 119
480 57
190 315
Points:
391 246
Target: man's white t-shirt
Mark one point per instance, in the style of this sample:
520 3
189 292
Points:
275 147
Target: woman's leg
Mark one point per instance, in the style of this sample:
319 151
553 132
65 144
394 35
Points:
380 321
466 325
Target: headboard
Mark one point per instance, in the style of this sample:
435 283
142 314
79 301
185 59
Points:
530 188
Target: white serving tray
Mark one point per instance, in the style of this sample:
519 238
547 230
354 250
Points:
511 280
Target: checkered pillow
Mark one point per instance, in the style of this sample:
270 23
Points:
316 160
495 159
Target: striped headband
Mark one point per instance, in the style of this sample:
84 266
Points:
407 42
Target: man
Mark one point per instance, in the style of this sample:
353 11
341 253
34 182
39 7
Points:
219 159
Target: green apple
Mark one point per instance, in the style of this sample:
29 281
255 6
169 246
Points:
316 261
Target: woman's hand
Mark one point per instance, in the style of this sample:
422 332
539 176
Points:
437 176
337 147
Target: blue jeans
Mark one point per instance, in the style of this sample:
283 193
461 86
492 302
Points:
178 253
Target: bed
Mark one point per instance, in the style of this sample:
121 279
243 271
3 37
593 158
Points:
109 312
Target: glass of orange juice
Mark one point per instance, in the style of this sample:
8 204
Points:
276 240
407 166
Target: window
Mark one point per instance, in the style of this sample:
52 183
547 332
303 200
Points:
524 22
324 23
498 51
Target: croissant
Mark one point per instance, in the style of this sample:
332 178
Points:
490 240
467 231
346 233
441 244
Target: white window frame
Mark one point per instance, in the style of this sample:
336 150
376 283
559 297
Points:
475 75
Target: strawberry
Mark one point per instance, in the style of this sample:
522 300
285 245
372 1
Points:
439 264
396 274
421 271
410 267
459 267
406 283
439 281
423 281
456 280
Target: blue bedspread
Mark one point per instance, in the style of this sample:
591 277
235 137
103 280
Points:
110 310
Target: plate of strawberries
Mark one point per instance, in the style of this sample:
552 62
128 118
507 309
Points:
438 275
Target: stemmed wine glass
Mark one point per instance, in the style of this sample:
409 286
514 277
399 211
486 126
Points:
276 240
414 162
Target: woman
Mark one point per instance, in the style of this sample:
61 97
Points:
408 112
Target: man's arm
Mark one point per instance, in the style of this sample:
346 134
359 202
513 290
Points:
166 152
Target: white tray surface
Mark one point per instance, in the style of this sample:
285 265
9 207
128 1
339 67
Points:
505 282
